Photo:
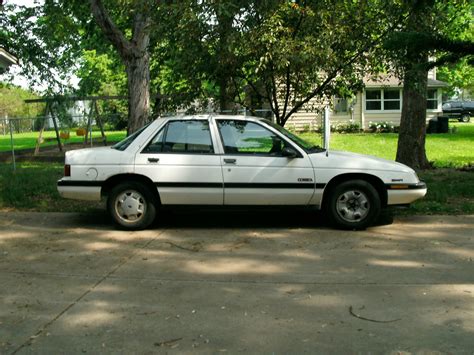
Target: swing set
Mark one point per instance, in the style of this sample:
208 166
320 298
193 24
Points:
53 103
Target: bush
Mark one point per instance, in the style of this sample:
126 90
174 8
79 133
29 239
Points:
383 127
351 127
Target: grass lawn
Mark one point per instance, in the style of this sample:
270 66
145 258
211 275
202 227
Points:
28 140
33 188
450 191
445 150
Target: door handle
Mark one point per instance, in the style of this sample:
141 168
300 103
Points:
230 161
153 160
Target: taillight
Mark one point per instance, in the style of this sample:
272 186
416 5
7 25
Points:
67 170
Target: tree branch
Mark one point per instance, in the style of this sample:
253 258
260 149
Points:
141 26
288 67
336 71
113 34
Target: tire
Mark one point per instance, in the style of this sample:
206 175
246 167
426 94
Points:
140 211
353 204
465 118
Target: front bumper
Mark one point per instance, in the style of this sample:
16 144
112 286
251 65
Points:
403 194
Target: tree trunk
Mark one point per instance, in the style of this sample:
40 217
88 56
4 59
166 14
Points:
138 80
134 54
225 17
411 140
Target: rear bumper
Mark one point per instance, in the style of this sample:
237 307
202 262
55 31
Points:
78 190
403 194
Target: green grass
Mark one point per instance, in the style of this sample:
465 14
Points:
32 187
450 191
28 140
444 150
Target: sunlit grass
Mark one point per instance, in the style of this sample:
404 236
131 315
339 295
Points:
28 140
454 149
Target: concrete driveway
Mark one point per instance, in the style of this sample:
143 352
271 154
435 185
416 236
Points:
252 283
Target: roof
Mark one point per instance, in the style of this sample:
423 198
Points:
393 81
432 83
7 59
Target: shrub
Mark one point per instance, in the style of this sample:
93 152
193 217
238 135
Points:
383 127
351 127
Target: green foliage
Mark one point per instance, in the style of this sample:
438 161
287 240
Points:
12 102
353 127
460 76
300 50
46 39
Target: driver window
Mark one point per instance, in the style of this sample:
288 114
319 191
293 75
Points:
242 137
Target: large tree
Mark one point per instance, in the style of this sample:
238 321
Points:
134 52
297 51
431 31
53 40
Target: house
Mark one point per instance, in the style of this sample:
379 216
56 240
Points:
6 59
380 101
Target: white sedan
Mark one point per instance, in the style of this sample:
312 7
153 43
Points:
233 161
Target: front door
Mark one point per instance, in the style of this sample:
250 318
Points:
180 160
255 171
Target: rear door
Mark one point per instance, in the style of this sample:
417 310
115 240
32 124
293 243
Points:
181 161
254 170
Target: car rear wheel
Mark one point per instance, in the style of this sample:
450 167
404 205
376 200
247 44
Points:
131 206
353 204
465 118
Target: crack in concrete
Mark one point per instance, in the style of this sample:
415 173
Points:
42 329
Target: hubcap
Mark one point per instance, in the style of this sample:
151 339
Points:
352 206
130 206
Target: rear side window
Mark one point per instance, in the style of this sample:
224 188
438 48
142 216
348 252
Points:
182 137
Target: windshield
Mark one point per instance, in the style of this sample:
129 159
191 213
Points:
123 144
307 146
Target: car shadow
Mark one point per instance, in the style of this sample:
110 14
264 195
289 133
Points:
278 218
219 218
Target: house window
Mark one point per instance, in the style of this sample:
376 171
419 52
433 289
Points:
391 99
432 99
382 100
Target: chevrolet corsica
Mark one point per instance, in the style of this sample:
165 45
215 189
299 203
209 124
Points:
233 161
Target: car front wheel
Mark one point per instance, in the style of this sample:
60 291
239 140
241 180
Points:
353 204
131 206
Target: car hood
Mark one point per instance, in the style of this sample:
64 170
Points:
98 156
353 161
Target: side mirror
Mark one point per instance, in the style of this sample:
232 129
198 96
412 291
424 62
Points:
289 152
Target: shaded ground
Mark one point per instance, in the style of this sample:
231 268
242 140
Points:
50 153
253 283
